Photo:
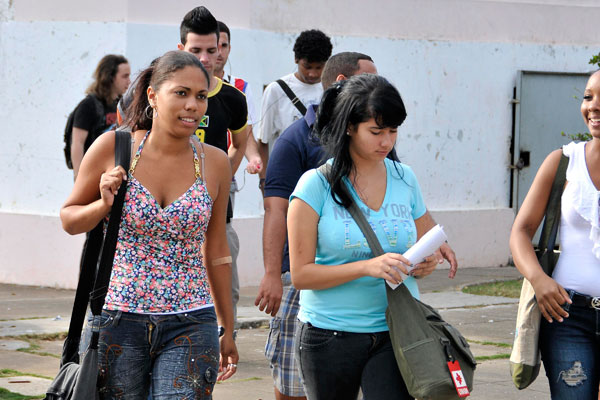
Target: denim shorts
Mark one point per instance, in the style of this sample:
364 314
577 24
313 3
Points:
175 354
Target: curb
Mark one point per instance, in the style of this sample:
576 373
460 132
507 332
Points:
460 288
253 324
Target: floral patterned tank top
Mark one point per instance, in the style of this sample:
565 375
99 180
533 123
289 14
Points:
158 266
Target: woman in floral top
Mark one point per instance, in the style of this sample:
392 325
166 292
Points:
171 277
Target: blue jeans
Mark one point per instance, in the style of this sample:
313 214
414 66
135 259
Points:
571 353
176 354
334 365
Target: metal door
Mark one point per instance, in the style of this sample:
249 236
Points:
546 104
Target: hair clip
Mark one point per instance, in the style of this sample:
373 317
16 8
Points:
339 85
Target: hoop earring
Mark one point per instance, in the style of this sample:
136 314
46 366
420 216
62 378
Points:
149 107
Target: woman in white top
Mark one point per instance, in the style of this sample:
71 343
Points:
570 299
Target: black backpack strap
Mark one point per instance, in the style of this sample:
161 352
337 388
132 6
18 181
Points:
99 108
99 126
552 218
293 98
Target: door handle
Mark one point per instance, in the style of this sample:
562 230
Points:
522 162
519 165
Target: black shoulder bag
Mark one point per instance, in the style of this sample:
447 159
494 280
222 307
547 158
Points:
75 380
434 359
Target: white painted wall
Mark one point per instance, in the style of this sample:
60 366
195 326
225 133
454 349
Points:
454 61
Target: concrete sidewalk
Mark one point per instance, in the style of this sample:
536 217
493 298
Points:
31 316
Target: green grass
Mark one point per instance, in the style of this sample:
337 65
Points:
503 356
252 378
8 372
487 343
5 373
39 336
21 319
33 349
8 395
510 289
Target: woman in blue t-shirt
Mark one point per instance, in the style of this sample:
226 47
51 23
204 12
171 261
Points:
344 341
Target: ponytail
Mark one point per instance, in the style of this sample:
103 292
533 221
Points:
330 129
326 109
136 112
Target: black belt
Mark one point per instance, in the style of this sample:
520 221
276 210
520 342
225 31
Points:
582 300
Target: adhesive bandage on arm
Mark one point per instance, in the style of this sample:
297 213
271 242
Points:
221 261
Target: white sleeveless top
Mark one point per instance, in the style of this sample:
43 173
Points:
578 267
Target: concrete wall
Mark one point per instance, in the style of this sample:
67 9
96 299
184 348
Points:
35 250
454 61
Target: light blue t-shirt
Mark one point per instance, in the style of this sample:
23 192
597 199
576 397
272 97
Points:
358 305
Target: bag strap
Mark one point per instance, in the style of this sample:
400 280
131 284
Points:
87 272
367 231
122 158
91 253
99 108
357 214
552 215
294 99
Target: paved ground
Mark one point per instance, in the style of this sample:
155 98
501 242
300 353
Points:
30 317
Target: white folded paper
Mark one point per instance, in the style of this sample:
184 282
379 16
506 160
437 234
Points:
424 247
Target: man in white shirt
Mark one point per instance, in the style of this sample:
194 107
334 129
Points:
280 109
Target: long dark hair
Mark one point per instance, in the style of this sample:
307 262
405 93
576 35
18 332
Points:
104 76
346 104
158 72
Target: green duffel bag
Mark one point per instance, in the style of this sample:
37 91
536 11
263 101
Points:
424 344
